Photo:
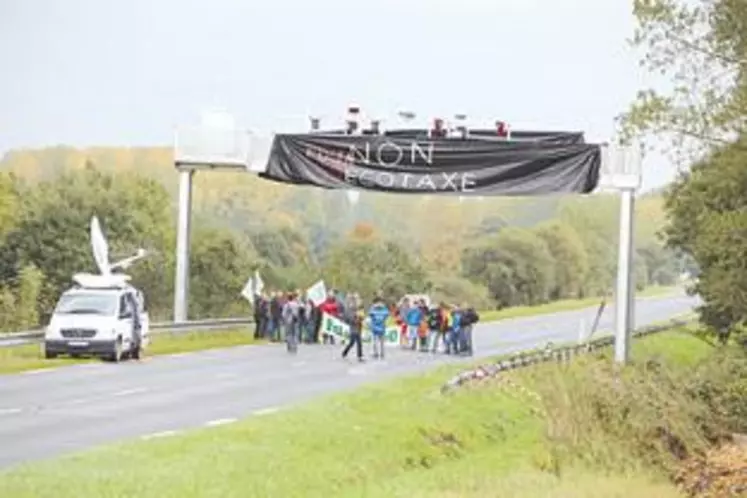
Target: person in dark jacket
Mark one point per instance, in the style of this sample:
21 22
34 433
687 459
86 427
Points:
276 316
260 326
353 317
435 326
469 319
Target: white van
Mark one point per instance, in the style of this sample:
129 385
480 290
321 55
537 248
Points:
110 321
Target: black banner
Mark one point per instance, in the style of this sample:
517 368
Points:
540 165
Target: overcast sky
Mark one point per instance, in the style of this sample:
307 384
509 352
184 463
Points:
105 72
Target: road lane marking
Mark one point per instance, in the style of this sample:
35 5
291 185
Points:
156 435
128 392
90 365
38 371
220 421
226 376
9 411
299 363
266 411
178 355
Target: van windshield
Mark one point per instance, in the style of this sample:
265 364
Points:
88 304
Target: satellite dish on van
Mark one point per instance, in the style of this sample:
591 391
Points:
100 249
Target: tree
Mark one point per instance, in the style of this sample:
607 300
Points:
708 212
515 265
701 47
457 290
570 257
9 203
53 234
221 265
18 303
660 264
282 247
368 268
595 220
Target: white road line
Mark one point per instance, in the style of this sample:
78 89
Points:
9 411
38 371
220 421
90 365
127 392
299 363
159 434
226 376
267 411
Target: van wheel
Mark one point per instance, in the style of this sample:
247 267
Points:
136 353
49 356
116 356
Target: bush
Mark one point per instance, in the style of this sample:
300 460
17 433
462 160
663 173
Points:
721 384
460 290
629 420
18 304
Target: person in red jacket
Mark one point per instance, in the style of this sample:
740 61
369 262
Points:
330 307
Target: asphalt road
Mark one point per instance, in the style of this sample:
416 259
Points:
47 413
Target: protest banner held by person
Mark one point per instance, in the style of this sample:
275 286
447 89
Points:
332 308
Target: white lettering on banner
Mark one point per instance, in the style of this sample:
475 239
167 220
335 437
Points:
426 179
468 182
381 152
456 182
390 145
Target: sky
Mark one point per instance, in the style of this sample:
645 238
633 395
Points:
126 73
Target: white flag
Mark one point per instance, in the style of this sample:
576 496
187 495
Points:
317 293
253 287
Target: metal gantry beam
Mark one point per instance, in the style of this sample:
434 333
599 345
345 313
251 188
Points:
183 237
625 296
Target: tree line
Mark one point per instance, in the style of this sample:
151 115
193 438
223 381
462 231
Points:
489 261
700 47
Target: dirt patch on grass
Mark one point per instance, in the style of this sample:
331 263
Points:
721 472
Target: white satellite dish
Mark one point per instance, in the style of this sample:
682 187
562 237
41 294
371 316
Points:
100 249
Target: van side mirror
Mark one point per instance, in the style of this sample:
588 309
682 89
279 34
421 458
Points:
125 314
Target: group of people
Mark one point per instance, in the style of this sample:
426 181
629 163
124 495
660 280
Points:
426 327
294 318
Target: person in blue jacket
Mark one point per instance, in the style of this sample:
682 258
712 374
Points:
413 318
378 314
455 343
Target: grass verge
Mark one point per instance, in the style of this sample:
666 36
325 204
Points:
564 305
17 359
549 431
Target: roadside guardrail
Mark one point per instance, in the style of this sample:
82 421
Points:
32 336
560 354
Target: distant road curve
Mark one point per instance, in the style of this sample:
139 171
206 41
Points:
47 413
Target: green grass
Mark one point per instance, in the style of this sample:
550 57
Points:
28 357
401 438
564 305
